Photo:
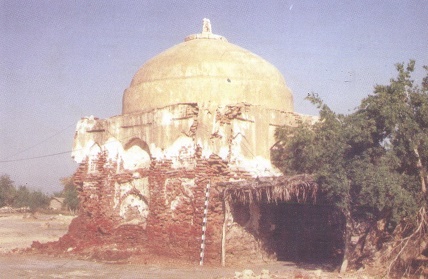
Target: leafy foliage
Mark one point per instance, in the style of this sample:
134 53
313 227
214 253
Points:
21 196
37 200
375 158
7 190
69 193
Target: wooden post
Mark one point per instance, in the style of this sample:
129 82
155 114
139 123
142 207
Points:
223 238
347 237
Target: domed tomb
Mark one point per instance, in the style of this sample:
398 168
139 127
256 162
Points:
197 116
206 69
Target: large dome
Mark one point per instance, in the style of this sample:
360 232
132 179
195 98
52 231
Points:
205 68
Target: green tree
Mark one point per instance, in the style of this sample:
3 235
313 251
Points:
7 190
69 193
38 200
400 112
33 199
22 197
373 160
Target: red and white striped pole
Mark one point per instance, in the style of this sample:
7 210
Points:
204 223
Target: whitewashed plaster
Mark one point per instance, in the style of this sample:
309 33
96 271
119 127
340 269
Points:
135 158
244 142
113 147
81 150
134 210
82 142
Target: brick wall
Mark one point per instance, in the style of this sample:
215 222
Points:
173 226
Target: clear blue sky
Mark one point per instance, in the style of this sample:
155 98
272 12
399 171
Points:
62 60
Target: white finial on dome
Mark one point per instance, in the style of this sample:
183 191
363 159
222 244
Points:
206 28
207 33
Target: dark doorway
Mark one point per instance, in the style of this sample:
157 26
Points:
302 233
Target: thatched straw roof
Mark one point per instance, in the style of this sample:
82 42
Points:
298 188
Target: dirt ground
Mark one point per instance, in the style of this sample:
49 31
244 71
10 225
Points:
18 231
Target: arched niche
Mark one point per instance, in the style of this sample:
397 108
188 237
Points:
134 210
136 155
93 154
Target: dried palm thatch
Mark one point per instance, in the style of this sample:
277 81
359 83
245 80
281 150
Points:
299 188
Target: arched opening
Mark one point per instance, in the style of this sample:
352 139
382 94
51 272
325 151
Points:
94 152
138 142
